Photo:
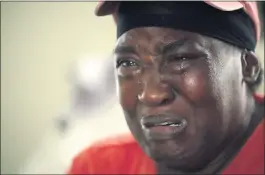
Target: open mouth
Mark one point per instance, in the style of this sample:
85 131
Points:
167 123
161 120
160 127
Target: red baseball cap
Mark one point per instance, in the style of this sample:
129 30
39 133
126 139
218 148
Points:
105 8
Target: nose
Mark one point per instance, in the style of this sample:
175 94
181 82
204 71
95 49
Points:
155 92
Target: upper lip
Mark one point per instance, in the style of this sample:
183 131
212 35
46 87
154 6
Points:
161 119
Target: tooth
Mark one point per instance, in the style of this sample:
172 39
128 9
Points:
163 124
175 124
169 124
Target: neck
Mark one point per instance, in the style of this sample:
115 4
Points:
255 114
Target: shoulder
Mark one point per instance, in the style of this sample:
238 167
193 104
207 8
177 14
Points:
101 155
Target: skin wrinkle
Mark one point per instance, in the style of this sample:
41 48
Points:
202 84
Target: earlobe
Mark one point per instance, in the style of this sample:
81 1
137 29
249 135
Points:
251 67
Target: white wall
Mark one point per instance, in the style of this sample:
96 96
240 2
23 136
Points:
38 42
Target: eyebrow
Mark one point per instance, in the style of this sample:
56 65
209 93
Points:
163 48
123 49
173 45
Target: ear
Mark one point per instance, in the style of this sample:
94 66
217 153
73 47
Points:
251 67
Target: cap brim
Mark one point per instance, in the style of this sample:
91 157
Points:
226 5
106 8
109 7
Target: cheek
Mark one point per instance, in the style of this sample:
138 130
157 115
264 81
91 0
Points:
127 90
194 84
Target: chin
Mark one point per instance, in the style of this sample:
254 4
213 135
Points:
185 163
164 151
177 156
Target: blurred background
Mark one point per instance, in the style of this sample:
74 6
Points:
57 84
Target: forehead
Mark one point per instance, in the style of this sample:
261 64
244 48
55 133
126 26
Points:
153 36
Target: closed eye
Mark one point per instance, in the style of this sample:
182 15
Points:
179 58
185 56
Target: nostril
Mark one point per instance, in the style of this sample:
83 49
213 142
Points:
165 101
168 98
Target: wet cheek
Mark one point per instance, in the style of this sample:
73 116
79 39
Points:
194 85
127 95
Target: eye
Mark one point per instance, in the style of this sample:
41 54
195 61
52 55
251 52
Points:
126 63
176 63
127 67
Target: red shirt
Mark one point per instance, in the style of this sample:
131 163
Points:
122 155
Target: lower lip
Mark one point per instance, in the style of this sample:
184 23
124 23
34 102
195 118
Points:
163 132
